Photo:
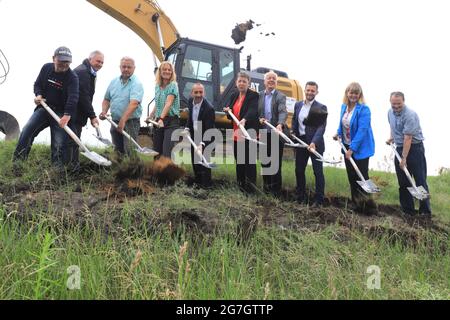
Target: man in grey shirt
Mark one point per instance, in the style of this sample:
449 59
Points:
272 108
407 135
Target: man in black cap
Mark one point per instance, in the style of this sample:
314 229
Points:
87 74
57 85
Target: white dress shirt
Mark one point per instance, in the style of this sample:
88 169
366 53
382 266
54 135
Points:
302 115
195 112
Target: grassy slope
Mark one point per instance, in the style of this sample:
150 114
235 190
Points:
147 260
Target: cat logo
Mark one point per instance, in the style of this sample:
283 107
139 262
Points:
254 86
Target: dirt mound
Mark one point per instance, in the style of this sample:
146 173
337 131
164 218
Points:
116 207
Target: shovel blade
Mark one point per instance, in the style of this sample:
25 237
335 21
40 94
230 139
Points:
369 186
208 165
103 140
95 157
147 151
420 193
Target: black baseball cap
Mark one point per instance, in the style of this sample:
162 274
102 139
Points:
63 54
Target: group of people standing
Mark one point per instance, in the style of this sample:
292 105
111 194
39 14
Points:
308 124
70 94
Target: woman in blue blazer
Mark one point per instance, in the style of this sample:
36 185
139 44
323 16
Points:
356 133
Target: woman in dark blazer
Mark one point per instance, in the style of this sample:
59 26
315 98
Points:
244 105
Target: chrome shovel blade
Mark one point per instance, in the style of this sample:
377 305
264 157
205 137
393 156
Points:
95 157
207 165
147 151
420 193
368 186
103 140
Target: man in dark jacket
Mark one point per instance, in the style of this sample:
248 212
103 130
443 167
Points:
87 73
57 85
309 123
201 119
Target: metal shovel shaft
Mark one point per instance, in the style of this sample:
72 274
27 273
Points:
124 133
353 163
239 125
317 154
66 128
368 185
93 156
418 191
156 124
204 161
281 134
304 144
243 130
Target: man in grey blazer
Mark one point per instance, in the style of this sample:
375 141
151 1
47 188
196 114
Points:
272 108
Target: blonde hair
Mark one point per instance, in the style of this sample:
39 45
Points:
158 78
354 87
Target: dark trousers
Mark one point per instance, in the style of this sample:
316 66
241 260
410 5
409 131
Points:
245 165
417 167
40 120
362 200
162 137
201 173
73 152
302 156
122 144
271 170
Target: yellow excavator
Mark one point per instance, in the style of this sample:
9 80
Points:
212 65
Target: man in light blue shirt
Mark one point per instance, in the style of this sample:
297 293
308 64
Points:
124 96
407 135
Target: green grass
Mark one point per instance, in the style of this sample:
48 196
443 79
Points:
151 252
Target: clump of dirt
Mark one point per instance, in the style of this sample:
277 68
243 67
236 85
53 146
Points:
161 171
165 171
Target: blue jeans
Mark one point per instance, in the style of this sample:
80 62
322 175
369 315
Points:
40 120
417 166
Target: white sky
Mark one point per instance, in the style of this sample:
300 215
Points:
384 45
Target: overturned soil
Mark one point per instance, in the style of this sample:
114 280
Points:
142 206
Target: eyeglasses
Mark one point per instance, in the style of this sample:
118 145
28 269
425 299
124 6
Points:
195 92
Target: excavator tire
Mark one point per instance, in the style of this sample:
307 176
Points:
9 126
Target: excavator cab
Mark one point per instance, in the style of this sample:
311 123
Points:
216 68
213 66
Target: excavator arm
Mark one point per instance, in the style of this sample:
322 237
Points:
146 19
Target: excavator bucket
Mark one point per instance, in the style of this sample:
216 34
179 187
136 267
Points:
9 126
